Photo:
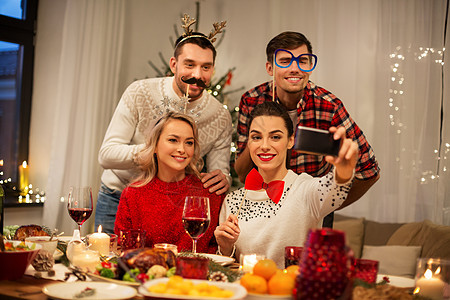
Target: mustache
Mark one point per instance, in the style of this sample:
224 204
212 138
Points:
195 81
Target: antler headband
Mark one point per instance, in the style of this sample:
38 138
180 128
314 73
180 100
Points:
187 22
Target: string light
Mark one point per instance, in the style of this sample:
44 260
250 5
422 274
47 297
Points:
395 99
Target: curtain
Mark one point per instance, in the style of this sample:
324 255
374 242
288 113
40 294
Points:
86 94
408 119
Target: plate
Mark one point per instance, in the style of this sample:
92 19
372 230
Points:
67 238
220 259
239 292
95 277
67 290
398 281
251 296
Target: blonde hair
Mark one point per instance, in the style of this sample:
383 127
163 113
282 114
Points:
146 158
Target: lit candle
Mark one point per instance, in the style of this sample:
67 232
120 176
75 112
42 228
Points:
249 261
167 247
23 178
86 260
429 286
99 242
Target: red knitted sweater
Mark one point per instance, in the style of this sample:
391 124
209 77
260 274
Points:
158 206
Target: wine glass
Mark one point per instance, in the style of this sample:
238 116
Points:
196 218
80 204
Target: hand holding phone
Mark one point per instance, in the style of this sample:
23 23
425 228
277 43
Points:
316 141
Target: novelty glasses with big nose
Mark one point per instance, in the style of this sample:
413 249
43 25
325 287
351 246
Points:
284 58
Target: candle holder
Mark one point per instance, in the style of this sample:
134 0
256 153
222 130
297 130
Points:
86 260
292 255
164 246
113 238
433 278
132 239
100 242
325 267
366 269
192 267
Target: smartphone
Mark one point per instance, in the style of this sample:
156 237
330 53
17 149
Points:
316 141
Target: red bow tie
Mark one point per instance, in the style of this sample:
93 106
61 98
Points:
274 189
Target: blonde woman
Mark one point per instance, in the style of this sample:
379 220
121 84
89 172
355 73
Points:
171 167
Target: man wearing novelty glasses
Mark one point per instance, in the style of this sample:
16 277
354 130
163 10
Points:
290 61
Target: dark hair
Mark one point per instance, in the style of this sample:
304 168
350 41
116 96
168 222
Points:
274 109
202 42
288 40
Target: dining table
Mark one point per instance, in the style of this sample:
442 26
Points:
30 287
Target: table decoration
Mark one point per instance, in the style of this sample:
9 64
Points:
232 275
99 241
192 267
325 266
44 261
86 260
433 278
132 239
292 255
165 246
366 269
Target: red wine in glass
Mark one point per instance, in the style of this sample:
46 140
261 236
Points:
80 215
196 218
79 204
195 227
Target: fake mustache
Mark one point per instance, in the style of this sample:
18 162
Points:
195 81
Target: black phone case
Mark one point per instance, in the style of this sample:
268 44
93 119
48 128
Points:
316 141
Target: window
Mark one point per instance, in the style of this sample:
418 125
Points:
17 33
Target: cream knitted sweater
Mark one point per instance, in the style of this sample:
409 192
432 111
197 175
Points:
267 227
141 105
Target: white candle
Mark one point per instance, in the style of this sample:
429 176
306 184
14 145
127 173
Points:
167 247
429 286
99 242
249 261
86 260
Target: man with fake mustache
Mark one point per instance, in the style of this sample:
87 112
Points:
145 101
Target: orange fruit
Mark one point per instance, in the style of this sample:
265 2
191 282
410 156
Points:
292 270
254 283
281 284
265 268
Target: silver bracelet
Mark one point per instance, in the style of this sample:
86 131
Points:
232 252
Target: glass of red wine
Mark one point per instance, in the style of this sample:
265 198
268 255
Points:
80 204
196 218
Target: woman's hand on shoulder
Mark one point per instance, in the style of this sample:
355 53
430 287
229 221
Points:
227 234
345 162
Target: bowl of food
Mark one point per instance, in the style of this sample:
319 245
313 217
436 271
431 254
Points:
45 242
16 258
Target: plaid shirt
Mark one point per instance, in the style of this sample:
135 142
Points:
318 109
